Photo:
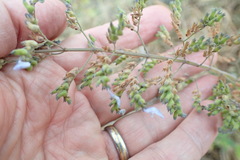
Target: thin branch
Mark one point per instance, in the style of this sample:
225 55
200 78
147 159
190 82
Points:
84 34
154 56
86 63
192 35
142 42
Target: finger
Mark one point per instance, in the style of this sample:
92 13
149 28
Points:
190 140
100 99
51 18
153 17
150 129
78 129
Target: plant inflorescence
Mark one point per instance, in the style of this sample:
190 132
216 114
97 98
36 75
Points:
109 61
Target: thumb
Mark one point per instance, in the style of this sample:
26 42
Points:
51 18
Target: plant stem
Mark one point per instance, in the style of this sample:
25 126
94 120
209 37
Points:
86 63
142 42
154 56
192 35
84 34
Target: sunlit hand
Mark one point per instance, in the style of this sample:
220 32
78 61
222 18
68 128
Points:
36 126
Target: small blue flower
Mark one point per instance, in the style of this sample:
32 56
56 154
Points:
122 112
114 96
152 111
21 65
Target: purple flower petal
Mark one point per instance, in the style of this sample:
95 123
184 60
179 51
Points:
122 112
21 65
152 111
114 96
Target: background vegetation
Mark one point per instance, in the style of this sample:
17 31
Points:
97 12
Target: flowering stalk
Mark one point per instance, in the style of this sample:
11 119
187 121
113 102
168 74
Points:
149 56
99 71
168 93
62 90
229 109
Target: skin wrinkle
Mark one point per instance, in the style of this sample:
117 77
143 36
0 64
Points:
22 80
194 139
49 140
18 30
15 24
15 152
7 26
46 98
62 146
110 147
38 151
69 129
149 130
54 7
58 133
32 132
194 135
2 122
16 130
159 154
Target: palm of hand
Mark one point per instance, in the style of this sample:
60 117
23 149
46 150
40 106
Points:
36 126
59 130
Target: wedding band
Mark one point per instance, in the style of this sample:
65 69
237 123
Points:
118 141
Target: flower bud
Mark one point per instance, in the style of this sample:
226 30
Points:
20 52
30 8
33 27
63 93
29 44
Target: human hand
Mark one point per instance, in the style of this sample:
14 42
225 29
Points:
36 126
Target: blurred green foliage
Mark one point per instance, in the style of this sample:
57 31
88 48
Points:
225 147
